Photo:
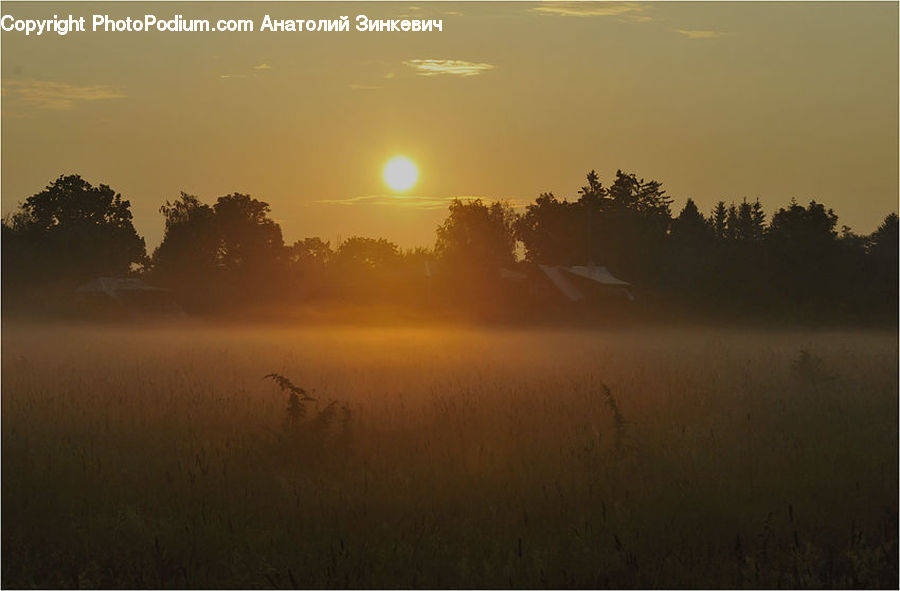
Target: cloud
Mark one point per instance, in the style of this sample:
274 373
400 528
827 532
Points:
57 95
634 11
259 67
514 202
410 201
420 202
431 67
701 34
363 87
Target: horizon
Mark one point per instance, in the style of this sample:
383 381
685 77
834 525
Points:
773 102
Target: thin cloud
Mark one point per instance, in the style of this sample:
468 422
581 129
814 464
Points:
259 68
431 67
514 202
701 34
633 11
420 202
386 199
57 95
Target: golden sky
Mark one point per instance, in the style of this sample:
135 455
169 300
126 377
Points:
716 100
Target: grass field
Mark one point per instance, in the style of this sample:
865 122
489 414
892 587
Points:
138 457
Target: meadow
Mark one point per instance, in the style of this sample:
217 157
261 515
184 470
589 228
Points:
455 457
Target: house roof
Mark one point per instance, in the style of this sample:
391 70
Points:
561 277
596 273
556 276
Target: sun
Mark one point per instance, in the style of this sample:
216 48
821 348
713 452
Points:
400 173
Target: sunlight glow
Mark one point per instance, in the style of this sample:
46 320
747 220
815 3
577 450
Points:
400 173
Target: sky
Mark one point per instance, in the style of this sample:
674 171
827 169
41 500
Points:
718 101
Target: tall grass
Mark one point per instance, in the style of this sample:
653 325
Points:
158 458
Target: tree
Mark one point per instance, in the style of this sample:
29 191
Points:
627 231
473 244
741 262
477 236
308 262
418 261
883 252
594 192
549 231
883 241
802 243
812 227
646 198
229 253
311 253
187 258
70 232
748 221
249 239
623 226
365 256
690 225
364 268
689 251
718 221
731 222
191 241
757 220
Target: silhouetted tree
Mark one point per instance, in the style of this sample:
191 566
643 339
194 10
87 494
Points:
627 230
550 231
883 251
233 253
691 241
802 243
191 241
593 202
477 236
309 261
311 253
587 225
757 220
70 232
623 227
690 226
748 221
883 241
812 227
359 255
365 268
249 238
718 221
251 255
187 259
473 244
229 253
419 260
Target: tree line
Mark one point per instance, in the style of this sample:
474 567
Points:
216 257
